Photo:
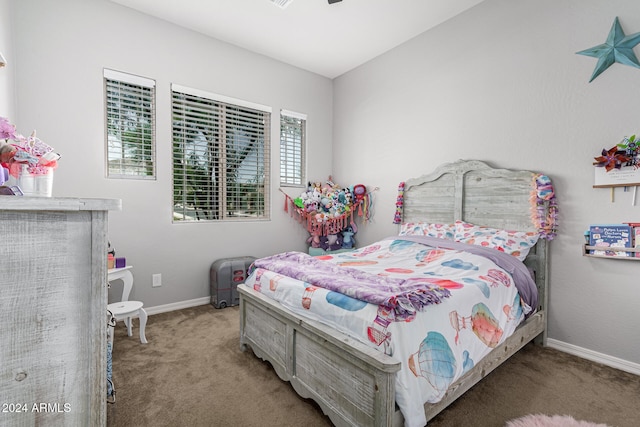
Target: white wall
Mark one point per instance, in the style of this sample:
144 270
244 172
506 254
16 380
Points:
62 49
502 83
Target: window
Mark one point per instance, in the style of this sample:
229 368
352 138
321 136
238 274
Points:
130 125
292 148
220 157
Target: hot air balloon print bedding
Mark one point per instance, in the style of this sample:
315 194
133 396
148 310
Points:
476 304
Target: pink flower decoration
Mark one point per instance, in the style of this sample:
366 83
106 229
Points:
7 130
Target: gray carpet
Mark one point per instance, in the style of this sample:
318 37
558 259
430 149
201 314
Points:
192 373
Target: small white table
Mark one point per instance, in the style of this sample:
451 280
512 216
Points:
126 276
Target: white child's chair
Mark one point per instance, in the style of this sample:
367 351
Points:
124 309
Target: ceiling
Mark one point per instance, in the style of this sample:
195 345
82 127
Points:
327 39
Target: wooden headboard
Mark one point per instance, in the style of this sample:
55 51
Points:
472 191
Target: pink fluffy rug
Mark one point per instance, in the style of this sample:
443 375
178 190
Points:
553 421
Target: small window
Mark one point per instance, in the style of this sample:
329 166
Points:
292 148
130 125
221 157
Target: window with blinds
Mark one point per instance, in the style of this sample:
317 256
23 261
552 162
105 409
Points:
130 125
292 148
220 157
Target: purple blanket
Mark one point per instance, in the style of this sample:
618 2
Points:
399 296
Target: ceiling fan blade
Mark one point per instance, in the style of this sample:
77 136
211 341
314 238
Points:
334 1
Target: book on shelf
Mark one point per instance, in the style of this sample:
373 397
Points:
636 236
611 237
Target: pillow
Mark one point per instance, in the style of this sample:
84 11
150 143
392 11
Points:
516 243
441 231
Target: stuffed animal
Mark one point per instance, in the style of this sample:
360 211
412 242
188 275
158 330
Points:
314 240
332 242
7 151
359 192
347 238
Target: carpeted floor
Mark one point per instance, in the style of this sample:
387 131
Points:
192 373
537 420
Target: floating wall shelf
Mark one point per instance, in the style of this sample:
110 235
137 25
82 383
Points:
587 248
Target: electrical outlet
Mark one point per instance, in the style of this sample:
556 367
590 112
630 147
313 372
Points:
156 280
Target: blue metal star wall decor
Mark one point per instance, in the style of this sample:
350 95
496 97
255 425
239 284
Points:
617 48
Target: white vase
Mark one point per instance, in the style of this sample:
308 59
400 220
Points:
40 185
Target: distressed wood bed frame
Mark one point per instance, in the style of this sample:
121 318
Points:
353 384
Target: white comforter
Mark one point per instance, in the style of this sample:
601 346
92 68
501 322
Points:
442 342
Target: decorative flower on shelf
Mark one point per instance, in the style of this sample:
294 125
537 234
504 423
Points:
611 159
19 153
623 154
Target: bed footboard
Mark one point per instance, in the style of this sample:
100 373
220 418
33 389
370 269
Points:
352 383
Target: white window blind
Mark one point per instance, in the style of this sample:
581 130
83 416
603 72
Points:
292 148
220 157
130 125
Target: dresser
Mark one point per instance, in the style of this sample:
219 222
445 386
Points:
53 298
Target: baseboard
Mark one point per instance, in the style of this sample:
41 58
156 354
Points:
177 305
614 362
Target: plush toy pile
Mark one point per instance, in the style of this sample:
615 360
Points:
327 211
327 200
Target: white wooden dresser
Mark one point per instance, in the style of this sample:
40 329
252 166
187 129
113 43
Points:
53 298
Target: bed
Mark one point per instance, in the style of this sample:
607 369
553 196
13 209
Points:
365 382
